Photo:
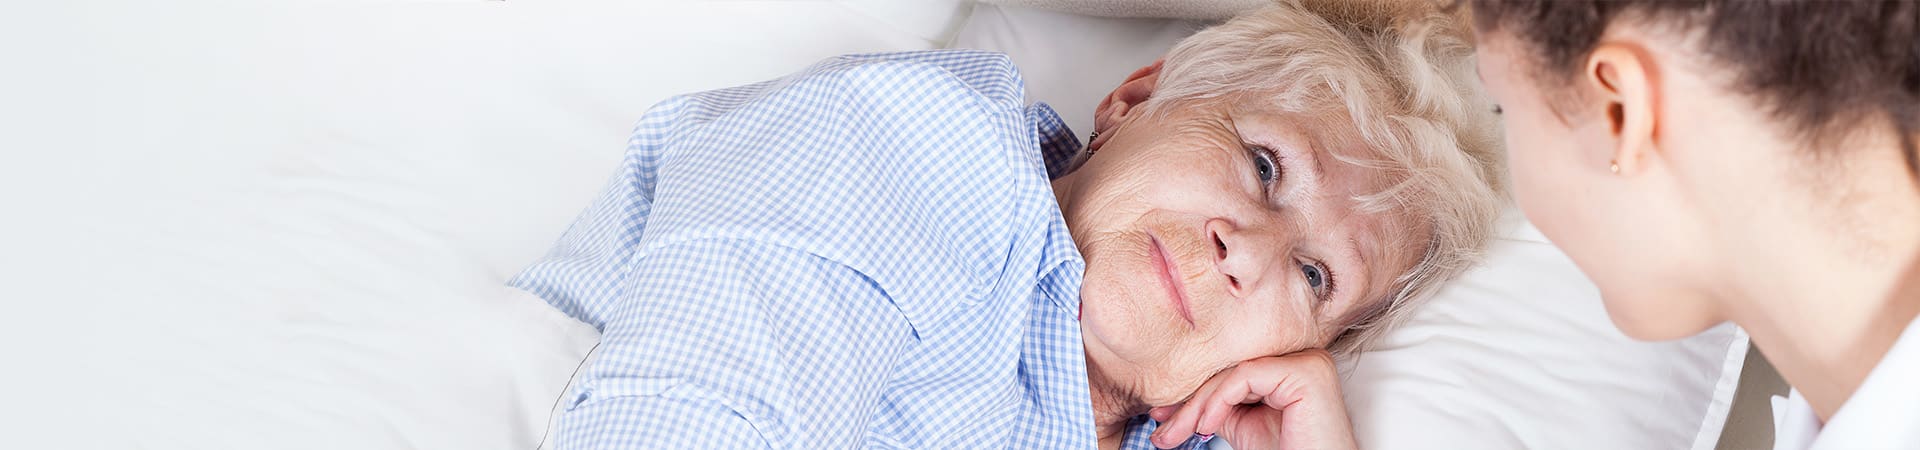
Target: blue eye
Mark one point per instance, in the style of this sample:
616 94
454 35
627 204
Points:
1263 165
1317 278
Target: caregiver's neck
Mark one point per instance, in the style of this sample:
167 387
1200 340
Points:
1826 289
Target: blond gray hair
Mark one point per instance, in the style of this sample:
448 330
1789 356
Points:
1402 74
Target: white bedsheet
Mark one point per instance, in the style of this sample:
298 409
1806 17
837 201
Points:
246 225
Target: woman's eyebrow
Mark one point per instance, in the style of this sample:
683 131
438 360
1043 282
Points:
1357 284
1315 168
1362 267
1364 247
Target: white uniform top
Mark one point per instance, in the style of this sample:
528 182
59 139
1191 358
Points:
1883 414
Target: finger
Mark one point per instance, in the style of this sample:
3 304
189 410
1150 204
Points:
1179 427
1176 428
1275 383
1302 402
1238 388
1306 370
1161 414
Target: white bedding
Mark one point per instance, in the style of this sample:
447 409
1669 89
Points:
285 225
236 224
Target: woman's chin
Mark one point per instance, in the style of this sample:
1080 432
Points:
1652 317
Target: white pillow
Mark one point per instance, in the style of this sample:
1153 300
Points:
1070 61
287 225
1517 353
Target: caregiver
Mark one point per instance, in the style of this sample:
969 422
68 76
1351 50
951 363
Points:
1744 161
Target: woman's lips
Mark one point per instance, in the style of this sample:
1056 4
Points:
1164 264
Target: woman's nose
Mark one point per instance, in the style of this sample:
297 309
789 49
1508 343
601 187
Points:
1238 255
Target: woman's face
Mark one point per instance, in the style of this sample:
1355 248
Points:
1216 234
1629 233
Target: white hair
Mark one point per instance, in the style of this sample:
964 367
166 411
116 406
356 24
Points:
1402 74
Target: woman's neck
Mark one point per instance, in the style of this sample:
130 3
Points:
1825 345
1113 407
1825 311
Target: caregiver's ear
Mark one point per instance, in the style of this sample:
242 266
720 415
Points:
1624 77
1120 104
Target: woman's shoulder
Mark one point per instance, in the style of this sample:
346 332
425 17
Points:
990 77
901 136
901 166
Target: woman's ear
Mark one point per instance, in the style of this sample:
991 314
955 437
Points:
1624 77
1120 104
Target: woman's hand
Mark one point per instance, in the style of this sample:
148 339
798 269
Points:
1290 401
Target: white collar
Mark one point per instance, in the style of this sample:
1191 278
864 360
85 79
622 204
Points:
1880 414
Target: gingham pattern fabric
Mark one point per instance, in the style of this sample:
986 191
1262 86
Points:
864 254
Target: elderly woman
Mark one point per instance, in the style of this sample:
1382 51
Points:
892 251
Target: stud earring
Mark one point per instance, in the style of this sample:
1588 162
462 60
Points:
1614 166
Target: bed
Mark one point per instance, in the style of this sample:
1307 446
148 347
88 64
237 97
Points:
286 224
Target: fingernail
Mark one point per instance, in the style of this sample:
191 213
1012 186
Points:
1205 437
